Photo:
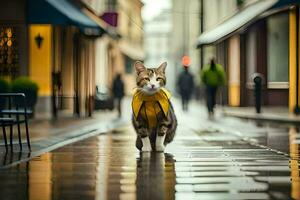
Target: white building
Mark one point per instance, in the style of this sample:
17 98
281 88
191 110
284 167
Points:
186 29
157 43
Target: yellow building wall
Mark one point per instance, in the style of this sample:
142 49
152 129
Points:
40 59
294 164
292 61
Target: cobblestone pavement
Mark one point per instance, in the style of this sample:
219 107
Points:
220 159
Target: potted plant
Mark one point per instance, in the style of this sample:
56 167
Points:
28 87
4 88
4 85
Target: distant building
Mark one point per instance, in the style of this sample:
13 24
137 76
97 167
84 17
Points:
185 30
157 43
118 54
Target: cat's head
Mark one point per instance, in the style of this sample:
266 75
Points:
150 80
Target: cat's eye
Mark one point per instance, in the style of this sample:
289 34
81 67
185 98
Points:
147 79
158 79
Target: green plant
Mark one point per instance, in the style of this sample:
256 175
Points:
4 88
28 87
4 85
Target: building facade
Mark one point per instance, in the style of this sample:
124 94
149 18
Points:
53 48
116 53
249 37
68 49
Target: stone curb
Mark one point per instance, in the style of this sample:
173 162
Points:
264 118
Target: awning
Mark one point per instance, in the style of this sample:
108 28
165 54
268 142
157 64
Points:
134 52
242 18
111 31
58 12
282 3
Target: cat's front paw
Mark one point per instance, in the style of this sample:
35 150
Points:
160 148
159 143
146 148
146 144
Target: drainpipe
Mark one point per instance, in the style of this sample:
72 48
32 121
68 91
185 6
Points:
297 109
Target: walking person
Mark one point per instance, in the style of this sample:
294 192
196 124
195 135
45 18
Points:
118 92
212 76
186 87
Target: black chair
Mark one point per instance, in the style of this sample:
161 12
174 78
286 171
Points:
14 111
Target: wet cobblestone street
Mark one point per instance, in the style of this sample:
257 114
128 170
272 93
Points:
206 164
220 159
150 100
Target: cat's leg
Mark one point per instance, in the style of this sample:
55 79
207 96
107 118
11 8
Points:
142 140
161 134
146 144
145 140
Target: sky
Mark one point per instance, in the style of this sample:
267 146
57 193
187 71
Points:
153 7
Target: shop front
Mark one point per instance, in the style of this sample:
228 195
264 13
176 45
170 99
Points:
261 38
63 63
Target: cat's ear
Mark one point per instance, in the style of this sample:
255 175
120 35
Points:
162 67
139 67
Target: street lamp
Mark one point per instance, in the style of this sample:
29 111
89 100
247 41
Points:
39 40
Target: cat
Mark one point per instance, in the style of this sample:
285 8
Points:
153 118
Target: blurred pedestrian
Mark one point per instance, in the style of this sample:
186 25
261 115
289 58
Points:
186 87
213 76
118 92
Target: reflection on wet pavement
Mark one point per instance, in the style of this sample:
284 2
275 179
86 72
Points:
9 157
199 165
294 163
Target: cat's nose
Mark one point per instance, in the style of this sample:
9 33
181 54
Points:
152 86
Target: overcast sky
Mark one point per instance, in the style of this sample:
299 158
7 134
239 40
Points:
153 7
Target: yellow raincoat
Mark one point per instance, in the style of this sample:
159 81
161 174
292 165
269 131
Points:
148 106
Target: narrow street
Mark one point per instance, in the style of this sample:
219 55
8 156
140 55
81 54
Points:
74 74
207 160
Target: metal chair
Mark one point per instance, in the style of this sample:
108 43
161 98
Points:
14 111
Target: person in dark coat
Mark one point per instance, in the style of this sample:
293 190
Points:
186 87
118 92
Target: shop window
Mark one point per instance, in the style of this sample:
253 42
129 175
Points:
250 57
9 58
128 65
278 49
111 5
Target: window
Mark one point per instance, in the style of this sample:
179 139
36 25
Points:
128 65
111 5
278 48
9 56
